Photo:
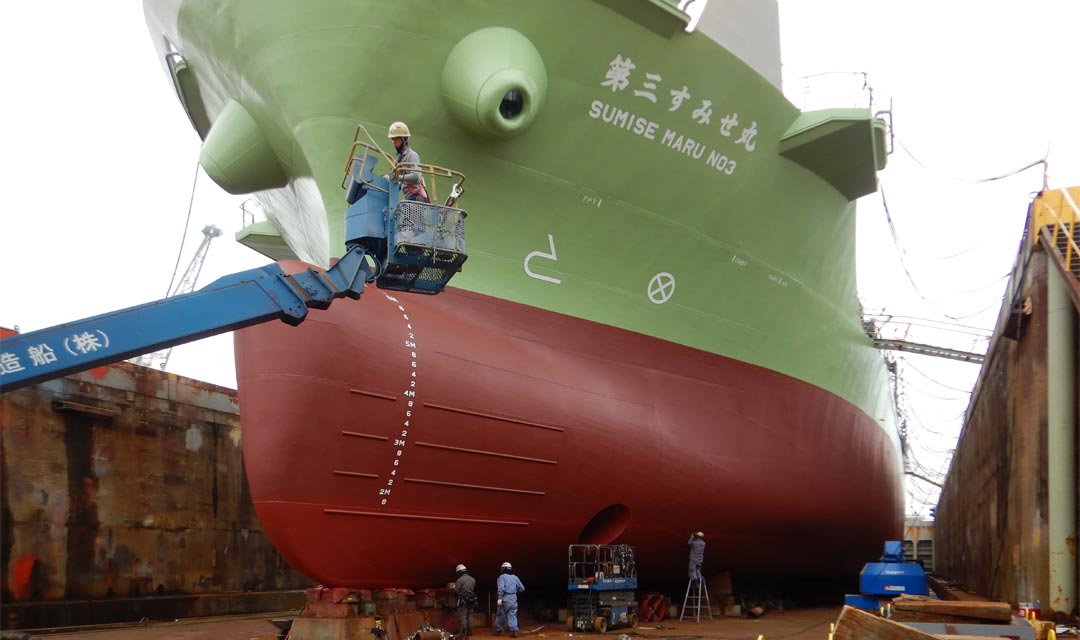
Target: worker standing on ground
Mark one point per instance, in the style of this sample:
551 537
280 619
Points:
508 586
465 589
408 176
697 555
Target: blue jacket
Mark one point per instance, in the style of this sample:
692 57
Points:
509 586
697 550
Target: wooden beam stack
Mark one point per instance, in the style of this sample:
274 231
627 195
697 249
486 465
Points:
921 609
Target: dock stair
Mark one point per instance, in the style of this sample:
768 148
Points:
927 337
1056 219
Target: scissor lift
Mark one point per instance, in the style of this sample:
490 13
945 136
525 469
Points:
602 582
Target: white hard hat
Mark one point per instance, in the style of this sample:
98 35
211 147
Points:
700 534
460 567
399 130
507 565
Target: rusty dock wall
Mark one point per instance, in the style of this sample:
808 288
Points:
1007 519
124 483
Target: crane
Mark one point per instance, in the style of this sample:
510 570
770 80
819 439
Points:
160 359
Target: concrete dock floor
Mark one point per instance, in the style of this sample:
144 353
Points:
795 624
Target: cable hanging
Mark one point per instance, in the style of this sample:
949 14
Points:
183 238
903 264
907 363
899 248
1041 161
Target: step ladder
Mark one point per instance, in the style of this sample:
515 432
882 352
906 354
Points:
696 599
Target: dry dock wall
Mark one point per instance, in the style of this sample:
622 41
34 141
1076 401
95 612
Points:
126 481
1001 514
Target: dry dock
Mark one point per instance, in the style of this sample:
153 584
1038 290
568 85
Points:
1006 525
796 624
124 494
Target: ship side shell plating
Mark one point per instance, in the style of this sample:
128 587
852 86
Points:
464 426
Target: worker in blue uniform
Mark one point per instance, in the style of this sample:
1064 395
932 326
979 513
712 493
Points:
697 555
508 586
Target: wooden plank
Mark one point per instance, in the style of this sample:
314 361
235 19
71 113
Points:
948 591
925 616
964 610
856 624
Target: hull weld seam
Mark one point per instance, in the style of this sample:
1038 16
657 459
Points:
355 474
372 394
484 453
490 416
355 434
474 486
409 516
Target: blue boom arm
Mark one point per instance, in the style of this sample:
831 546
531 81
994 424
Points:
417 247
232 302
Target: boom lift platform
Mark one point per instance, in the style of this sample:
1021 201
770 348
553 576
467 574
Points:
603 578
399 245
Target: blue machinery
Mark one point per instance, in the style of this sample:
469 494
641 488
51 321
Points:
399 245
893 575
602 583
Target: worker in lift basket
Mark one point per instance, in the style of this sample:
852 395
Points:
465 589
697 555
408 177
508 586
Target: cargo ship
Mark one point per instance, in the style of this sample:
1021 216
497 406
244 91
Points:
657 329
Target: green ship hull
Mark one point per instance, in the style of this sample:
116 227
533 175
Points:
640 177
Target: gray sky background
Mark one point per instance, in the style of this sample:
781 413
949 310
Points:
977 90
99 161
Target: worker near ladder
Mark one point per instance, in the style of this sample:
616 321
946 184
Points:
465 589
697 555
408 177
508 586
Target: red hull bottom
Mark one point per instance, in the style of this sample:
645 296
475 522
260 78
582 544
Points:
389 439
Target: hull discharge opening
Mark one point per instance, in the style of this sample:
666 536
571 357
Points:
606 526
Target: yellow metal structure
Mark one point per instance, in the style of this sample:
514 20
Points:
1055 219
1057 208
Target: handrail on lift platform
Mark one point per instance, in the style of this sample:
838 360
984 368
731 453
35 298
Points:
360 151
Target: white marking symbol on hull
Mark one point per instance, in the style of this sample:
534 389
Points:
548 256
661 287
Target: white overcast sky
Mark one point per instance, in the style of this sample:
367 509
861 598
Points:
98 162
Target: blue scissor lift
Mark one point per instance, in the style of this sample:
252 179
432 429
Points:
603 578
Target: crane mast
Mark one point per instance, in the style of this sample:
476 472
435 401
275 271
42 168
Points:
160 359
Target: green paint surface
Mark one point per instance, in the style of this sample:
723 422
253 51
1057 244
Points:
760 248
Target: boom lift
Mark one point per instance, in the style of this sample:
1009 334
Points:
399 245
